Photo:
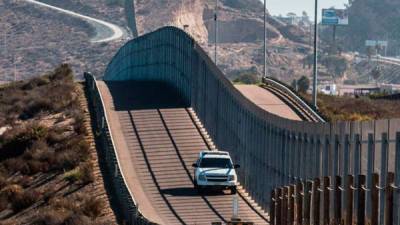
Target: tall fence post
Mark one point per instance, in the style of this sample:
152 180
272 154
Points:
383 177
278 206
337 200
356 169
299 203
374 193
389 200
316 202
348 209
326 201
291 213
370 171
307 202
272 208
284 205
397 182
361 200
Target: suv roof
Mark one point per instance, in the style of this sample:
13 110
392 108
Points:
214 154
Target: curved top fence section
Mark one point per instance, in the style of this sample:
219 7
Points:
283 150
169 54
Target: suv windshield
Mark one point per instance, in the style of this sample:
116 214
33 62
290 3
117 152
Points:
216 163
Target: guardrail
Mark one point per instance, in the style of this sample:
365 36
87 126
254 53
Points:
108 155
302 103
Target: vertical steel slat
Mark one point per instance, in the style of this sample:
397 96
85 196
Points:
397 182
370 171
383 177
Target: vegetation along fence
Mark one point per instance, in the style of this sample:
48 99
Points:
127 206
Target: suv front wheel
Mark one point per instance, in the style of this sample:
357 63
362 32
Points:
233 190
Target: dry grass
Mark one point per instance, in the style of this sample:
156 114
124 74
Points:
343 108
46 139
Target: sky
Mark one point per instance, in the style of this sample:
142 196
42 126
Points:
276 7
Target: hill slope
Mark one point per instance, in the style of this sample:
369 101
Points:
49 172
240 33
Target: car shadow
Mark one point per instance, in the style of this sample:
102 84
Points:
189 191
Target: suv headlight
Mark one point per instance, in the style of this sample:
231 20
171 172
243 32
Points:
231 178
202 177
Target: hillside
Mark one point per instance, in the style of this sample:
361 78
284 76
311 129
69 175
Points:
49 172
240 34
39 39
36 39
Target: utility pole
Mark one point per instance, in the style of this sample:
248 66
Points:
315 78
15 68
5 44
265 38
216 30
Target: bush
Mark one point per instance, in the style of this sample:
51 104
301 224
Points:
3 202
51 217
11 191
66 160
247 78
92 207
82 174
24 200
36 106
303 84
61 203
87 173
3 181
35 82
14 165
73 175
77 219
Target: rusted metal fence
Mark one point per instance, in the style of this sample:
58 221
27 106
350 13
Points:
336 201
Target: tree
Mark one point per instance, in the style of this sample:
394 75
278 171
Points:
247 78
303 84
294 85
376 73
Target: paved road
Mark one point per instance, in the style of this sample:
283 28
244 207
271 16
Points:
106 31
157 139
268 101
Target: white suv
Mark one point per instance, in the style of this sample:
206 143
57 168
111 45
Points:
215 169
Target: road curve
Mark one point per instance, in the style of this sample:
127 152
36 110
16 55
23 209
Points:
157 138
106 31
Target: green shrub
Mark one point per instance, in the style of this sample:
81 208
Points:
82 174
73 175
